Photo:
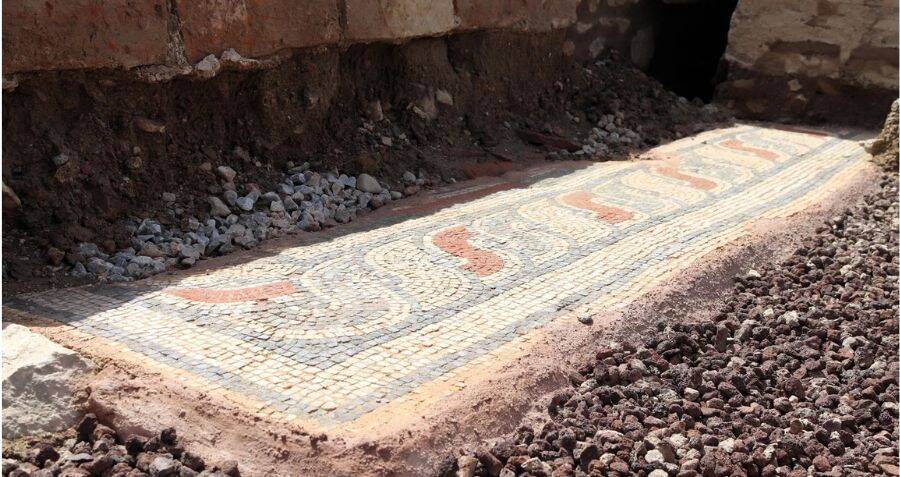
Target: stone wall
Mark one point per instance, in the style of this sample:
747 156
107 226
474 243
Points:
825 59
812 59
124 34
85 34
627 26
66 34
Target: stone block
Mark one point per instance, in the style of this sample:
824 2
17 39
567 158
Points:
854 42
69 34
40 382
255 27
391 20
526 15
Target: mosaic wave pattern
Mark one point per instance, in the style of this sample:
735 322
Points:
334 330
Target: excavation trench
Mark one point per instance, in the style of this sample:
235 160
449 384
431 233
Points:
90 154
93 155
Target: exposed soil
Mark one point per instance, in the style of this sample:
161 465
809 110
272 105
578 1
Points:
809 101
84 150
796 374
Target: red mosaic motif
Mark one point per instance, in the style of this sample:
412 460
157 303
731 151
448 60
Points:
455 241
693 181
585 200
740 146
259 292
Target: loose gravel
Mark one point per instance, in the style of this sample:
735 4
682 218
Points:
95 450
304 201
796 375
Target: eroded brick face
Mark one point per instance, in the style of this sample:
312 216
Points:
75 34
529 15
70 34
374 20
830 60
255 27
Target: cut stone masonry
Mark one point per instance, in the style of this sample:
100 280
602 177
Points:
826 60
89 34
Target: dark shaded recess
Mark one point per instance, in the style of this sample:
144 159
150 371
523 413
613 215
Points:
689 46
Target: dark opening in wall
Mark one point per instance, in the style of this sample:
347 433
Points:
689 45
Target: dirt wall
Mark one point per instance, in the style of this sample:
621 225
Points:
818 60
89 152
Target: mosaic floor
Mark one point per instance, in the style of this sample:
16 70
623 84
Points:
332 331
